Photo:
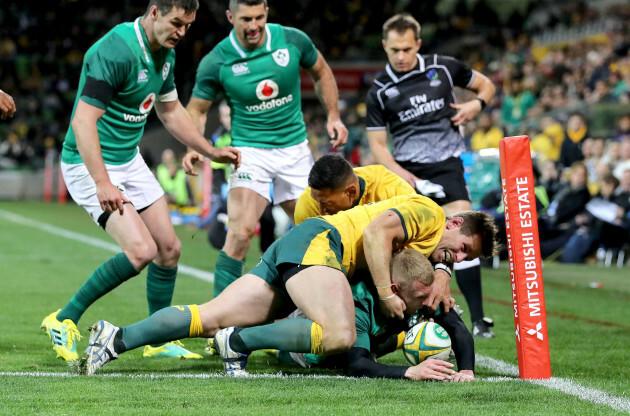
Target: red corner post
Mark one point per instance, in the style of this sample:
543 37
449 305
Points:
521 226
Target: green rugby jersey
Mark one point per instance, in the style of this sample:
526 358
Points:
261 86
137 76
372 326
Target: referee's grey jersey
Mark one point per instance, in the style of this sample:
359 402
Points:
416 107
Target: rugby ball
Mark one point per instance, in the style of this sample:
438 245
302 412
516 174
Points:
426 340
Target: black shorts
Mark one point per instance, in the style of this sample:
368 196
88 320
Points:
448 173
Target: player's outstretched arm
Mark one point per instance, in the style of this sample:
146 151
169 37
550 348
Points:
461 339
7 105
431 369
463 376
180 125
360 364
326 90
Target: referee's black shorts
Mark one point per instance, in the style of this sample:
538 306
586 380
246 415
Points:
448 173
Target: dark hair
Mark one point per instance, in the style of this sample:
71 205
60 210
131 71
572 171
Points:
610 179
233 4
401 23
330 172
165 6
480 223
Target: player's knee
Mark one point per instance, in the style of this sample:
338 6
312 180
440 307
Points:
339 340
240 237
171 251
142 254
209 320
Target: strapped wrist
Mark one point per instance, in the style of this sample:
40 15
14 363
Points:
444 267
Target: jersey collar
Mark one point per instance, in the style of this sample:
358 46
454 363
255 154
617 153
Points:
240 50
398 76
361 191
139 32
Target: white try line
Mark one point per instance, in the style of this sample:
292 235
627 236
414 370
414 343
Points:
509 371
95 242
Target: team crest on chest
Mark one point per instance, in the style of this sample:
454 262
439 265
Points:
165 69
282 57
433 76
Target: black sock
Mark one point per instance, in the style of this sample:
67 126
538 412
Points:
119 345
237 343
469 282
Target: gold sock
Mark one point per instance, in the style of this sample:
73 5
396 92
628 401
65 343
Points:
317 339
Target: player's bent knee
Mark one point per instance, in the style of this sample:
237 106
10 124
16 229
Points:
339 341
142 254
173 251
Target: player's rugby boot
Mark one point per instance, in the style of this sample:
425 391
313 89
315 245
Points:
234 363
64 336
174 349
100 349
481 328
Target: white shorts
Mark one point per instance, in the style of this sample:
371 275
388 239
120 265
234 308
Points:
286 168
133 178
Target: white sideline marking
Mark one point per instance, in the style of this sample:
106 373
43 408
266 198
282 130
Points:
564 385
95 242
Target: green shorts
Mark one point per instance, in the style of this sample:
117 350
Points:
314 242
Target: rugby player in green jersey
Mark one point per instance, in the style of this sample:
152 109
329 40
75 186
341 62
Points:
125 74
257 69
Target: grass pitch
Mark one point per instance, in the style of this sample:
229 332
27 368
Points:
47 251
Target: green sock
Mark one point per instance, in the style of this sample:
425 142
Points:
160 286
226 271
292 335
105 278
165 325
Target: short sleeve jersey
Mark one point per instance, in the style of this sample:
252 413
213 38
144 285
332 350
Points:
376 183
422 219
137 76
416 107
261 86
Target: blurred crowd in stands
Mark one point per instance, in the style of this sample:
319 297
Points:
562 71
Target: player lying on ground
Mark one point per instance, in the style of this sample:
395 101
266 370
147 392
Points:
412 277
308 269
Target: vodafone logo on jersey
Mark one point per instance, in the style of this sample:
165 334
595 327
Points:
147 103
266 90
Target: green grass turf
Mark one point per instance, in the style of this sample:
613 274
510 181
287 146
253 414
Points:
589 338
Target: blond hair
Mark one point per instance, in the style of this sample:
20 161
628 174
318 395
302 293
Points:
409 266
